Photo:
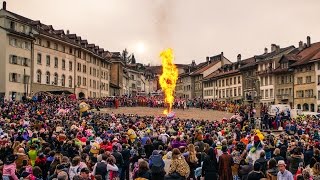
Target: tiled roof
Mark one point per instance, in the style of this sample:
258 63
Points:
48 30
204 68
308 54
249 63
273 53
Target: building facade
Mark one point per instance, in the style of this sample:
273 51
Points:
16 53
266 65
52 60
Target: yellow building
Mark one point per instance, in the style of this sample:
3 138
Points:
305 77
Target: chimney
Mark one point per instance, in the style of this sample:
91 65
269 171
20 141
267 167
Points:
300 45
4 5
273 47
278 48
265 50
207 59
68 31
239 57
193 63
221 54
308 41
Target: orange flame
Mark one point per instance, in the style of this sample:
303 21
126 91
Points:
168 78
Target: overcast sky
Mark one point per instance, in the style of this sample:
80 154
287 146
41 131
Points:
193 28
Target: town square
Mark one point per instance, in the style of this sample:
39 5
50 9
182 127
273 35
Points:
159 90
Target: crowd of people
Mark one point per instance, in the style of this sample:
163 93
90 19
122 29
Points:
179 103
46 138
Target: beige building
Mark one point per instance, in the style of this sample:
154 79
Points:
15 56
212 64
305 86
266 65
56 61
225 84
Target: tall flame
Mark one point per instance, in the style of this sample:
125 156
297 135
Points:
168 78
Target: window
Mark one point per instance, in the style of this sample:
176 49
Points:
299 80
48 44
56 62
39 76
13 59
227 82
27 45
79 67
262 93
239 81
39 42
270 80
70 51
308 79
90 70
271 93
63 80
39 58
95 85
48 60
70 66
266 81
239 91
47 77
267 93
12 25
84 69
308 68
14 77
290 92
55 46
223 83
63 49
318 95
55 79
84 81
284 65
300 94
13 42
79 81
70 81
63 64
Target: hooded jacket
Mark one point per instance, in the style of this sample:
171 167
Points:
10 170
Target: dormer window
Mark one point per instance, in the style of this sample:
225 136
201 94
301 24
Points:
284 65
13 25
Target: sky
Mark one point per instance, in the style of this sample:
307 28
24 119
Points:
194 29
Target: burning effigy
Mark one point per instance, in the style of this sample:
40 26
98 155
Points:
168 79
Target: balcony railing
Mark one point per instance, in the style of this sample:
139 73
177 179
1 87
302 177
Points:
283 96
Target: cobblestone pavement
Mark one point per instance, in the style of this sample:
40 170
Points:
187 114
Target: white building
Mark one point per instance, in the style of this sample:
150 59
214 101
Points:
16 39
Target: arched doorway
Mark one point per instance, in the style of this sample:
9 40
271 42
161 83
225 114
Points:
305 107
81 95
299 106
312 107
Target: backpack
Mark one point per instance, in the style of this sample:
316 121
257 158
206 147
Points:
157 165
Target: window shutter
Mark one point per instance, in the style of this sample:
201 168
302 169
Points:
10 59
10 77
19 78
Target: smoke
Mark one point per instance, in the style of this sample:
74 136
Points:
163 21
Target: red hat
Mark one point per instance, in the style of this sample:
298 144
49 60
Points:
256 138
